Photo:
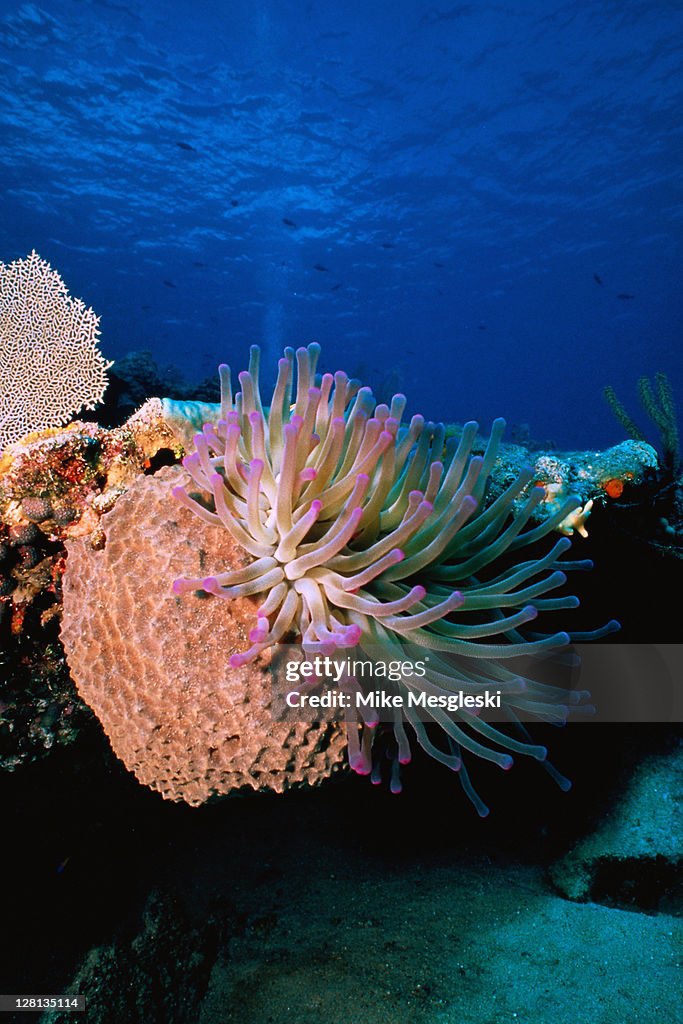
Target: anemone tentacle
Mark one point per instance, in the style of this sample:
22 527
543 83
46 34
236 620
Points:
367 531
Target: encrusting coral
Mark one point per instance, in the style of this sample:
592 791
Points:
351 529
50 365
53 486
589 477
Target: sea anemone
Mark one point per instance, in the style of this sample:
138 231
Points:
366 533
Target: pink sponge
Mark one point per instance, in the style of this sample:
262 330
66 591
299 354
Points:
156 669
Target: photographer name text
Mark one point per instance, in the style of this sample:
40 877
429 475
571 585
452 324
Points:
377 700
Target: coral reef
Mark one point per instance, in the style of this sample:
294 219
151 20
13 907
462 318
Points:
358 533
50 365
137 376
590 477
52 487
434 517
585 476
40 711
156 669
656 516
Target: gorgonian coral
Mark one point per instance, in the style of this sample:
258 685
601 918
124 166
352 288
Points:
50 365
367 533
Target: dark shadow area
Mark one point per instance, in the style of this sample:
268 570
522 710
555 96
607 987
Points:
649 884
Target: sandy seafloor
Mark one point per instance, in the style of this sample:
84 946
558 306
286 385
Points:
339 932
341 905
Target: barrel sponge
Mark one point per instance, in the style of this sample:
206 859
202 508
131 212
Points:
155 668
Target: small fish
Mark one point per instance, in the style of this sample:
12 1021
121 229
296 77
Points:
169 284
234 202
439 265
598 280
186 146
626 295
388 245
319 266
481 327
198 263
289 223
335 287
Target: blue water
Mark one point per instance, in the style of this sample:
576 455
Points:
449 197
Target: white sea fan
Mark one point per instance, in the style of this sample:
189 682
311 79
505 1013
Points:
50 365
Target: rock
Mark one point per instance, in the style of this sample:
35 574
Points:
637 851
